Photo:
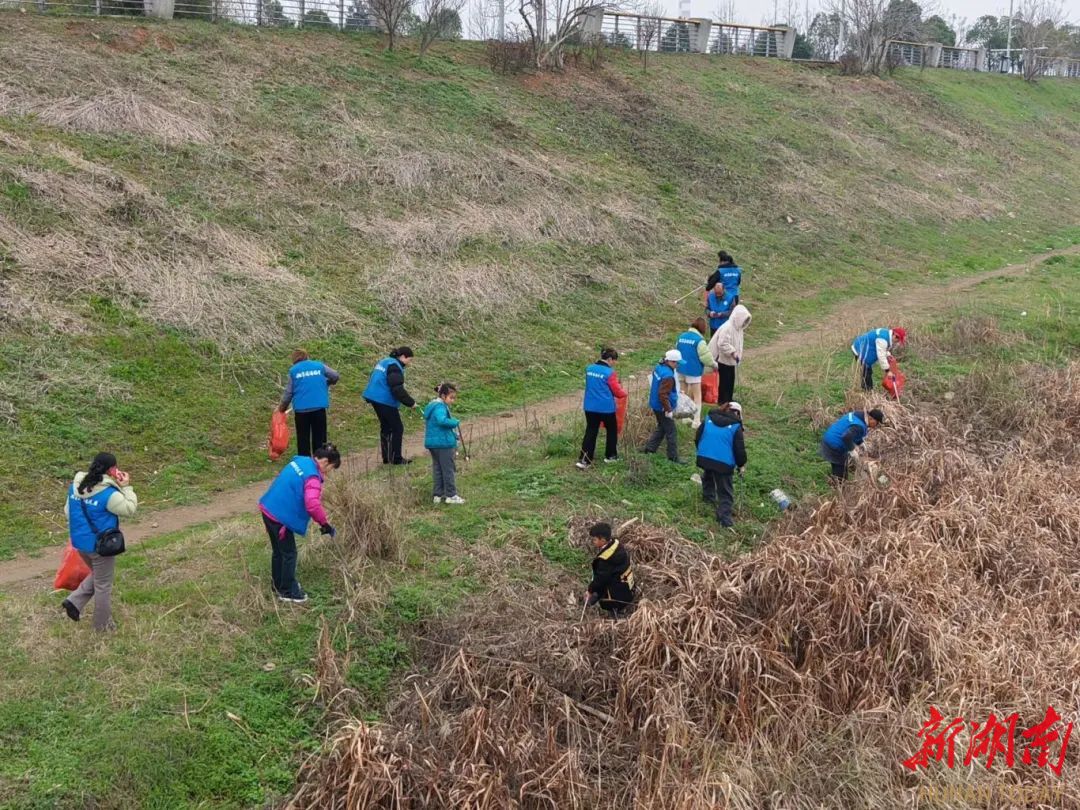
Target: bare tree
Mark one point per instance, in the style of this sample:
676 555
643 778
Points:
1041 35
648 30
725 11
550 23
438 19
390 14
868 27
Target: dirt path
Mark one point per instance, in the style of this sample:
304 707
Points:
913 303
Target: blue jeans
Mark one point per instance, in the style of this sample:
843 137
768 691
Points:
282 558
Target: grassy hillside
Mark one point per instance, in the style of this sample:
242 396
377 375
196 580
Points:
182 204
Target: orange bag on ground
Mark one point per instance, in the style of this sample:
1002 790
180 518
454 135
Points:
710 388
894 384
72 571
279 435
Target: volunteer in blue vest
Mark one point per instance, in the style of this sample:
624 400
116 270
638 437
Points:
720 452
718 308
663 397
844 436
308 390
386 393
873 347
294 498
696 360
96 501
602 389
441 439
727 274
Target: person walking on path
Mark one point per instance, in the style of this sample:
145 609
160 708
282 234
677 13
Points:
874 347
727 274
695 360
440 439
726 348
612 584
720 452
293 498
96 501
843 437
386 393
602 389
308 390
718 307
663 397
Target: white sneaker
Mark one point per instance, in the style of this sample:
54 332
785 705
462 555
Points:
455 499
611 460
437 499
582 465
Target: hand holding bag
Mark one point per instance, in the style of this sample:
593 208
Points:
108 543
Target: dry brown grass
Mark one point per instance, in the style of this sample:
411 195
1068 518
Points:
795 676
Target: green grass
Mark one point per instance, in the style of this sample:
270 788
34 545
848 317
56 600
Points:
331 142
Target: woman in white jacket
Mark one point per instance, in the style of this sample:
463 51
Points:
726 347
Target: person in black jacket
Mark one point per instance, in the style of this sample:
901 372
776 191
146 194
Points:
613 576
720 451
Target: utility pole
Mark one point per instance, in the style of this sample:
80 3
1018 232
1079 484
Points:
1008 38
502 20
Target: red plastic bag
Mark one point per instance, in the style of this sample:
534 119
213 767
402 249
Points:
894 380
278 442
710 388
72 571
620 415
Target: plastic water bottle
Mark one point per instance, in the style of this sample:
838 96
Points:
781 498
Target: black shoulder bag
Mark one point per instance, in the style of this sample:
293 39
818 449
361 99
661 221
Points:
108 543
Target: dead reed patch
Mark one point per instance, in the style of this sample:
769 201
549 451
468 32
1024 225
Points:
795 676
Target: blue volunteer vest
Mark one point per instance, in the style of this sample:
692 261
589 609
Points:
662 372
598 395
690 365
718 303
718 443
865 345
310 389
82 536
378 389
285 498
834 435
731 278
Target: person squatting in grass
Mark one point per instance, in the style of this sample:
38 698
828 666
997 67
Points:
720 452
612 584
695 360
839 443
308 390
386 393
602 389
96 501
293 498
663 397
728 275
440 439
726 348
874 347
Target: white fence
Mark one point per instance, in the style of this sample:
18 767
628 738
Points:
687 35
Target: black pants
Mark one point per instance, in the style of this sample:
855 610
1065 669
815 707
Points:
391 430
282 558
310 431
838 460
716 488
593 420
726 391
665 429
867 375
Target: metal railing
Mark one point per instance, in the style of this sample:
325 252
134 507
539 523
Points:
959 58
912 54
748 40
685 35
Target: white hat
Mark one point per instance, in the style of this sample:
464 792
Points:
735 406
673 356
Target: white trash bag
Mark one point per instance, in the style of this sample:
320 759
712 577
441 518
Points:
685 408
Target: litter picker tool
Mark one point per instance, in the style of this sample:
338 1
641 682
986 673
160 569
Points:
680 300
464 447
584 607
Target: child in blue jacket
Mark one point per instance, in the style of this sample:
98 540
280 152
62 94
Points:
440 439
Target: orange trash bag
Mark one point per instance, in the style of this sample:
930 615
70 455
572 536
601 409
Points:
894 380
620 415
278 442
710 388
72 571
